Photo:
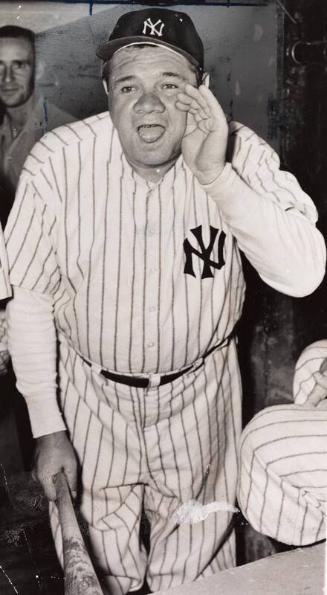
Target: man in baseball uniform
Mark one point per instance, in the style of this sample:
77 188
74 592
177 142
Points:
283 465
124 244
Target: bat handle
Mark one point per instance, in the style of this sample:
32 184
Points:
80 576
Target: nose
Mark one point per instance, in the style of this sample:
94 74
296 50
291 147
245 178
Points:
6 73
149 102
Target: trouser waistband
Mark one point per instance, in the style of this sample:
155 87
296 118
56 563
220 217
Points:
160 379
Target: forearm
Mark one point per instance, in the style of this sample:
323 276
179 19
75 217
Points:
284 246
32 345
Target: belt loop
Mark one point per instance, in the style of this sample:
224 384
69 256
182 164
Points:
154 380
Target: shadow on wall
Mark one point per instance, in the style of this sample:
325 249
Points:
240 51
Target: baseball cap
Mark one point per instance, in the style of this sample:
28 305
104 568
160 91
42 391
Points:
157 26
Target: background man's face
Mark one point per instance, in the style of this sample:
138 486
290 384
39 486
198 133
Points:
16 71
143 88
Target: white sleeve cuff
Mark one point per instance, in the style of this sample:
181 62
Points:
45 416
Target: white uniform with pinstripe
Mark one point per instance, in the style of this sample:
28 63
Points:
283 470
106 248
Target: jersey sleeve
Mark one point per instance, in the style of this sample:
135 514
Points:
5 288
30 236
258 165
270 216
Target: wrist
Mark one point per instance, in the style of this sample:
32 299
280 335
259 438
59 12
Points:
53 437
210 176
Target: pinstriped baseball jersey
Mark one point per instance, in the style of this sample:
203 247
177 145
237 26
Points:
109 247
145 277
5 289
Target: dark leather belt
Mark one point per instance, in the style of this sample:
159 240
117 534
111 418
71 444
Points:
137 381
140 382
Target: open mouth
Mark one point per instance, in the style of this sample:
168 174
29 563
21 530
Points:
150 133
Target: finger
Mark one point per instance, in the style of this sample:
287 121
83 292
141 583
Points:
321 380
193 110
301 399
195 94
212 102
182 106
318 392
192 104
48 486
314 400
71 476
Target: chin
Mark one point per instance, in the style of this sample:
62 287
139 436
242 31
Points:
13 102
156 158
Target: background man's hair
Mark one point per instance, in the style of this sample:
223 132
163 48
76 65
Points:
17 33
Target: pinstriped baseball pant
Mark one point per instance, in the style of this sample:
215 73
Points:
159 448
282 487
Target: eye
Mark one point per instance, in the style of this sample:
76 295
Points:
19 65
169 86
127 89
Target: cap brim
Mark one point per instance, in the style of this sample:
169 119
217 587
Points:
106 50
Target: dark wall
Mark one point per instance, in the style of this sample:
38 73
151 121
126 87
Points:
304 137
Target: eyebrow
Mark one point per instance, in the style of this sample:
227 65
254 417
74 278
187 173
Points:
174 74
131 77
124 79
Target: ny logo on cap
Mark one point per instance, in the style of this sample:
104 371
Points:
155 28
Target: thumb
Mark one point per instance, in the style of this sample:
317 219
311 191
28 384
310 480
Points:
48 486
71 476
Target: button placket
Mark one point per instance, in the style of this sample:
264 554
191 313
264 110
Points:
153 273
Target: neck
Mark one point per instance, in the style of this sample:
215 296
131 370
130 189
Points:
19 114
153 173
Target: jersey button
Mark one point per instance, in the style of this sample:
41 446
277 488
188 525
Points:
151 230
151 345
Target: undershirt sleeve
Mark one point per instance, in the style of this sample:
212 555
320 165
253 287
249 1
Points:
32 345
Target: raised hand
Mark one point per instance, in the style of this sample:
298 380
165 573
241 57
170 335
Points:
205 139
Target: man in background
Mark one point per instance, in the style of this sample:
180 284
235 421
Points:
26 116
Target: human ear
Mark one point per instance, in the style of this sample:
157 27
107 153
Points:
105 86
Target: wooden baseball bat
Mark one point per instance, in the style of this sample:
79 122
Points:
80 576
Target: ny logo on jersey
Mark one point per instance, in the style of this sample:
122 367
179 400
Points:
155 28
205 252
